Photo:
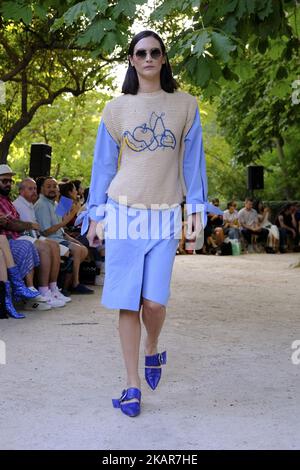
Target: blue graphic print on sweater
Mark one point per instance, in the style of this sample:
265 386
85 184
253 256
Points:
150 136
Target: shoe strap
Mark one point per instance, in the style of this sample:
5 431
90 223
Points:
156 359
128 394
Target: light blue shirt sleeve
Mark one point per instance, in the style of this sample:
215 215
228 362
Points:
105 167
194 172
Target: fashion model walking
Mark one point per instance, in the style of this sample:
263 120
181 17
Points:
148 154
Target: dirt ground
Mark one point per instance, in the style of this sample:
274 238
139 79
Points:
229 383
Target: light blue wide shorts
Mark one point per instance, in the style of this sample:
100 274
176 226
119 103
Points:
140 248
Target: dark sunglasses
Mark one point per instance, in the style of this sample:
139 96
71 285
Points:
154 53
6 180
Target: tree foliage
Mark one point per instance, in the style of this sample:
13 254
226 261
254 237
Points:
69 125
244 54
46 50
211 39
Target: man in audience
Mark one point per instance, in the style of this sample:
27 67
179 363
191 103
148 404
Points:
231 221
250 228
16 230
287 225
48 285
52 227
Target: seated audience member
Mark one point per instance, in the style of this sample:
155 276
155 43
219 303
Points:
17 229
69 190
264 215
51 262
295 219
250 228
213 232
181 246
80 190
13 227
231 222
287 226
52 226
297 215
12 286
217 223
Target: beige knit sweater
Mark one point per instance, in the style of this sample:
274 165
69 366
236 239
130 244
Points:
150 129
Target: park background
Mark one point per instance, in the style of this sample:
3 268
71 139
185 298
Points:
233 322
61 61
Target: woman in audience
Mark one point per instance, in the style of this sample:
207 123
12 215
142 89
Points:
69 190
12 271
264 215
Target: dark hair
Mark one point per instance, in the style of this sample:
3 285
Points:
249 199
256 205
131 82
86 194
215 199
66 188
77 184
40 182
230 204
285 208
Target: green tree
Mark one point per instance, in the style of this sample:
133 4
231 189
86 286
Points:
45 51
69 125
211 39
257 113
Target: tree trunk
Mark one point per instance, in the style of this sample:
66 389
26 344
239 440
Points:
281 158
4 148
9 137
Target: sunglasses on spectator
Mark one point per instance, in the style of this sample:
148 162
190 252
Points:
6 180
155 53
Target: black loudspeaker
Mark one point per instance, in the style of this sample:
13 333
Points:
255 177
40 160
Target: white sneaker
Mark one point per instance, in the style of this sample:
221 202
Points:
32 304
58 295
53 301
40 297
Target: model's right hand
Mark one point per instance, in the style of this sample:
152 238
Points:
92 234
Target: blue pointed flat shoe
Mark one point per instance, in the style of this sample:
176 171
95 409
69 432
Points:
132 408
153 368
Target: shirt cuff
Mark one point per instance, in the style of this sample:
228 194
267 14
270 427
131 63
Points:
95 213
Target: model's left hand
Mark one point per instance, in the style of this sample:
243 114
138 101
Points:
194 226
100 230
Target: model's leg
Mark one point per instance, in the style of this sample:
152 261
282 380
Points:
130 336
154 315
